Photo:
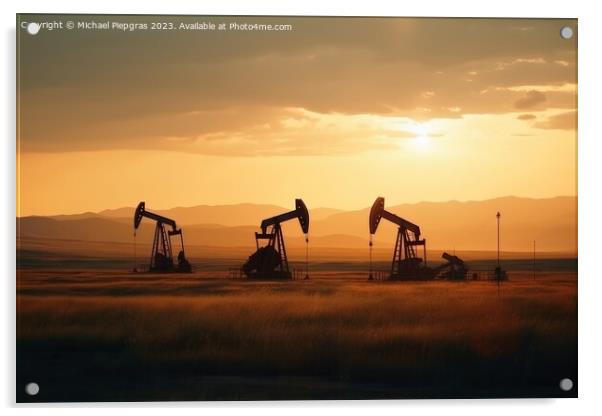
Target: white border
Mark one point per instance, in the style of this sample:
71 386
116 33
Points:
590 210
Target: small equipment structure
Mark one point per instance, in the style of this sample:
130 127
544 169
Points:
454 269
406 264
161 256
270 261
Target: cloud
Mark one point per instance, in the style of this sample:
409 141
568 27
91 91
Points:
501 66
260 131
115 90
562 121
530 100
300 132
526 117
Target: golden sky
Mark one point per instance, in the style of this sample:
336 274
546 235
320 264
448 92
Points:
336 111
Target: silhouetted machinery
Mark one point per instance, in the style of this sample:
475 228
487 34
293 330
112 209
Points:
161 256
406 264
270 261
454 269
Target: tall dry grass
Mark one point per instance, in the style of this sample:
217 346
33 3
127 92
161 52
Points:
436 336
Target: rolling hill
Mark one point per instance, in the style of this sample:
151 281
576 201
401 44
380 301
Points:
470 225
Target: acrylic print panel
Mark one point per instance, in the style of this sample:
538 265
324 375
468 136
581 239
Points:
268 208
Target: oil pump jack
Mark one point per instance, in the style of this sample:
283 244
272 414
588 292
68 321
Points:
406 265
161 255
270 261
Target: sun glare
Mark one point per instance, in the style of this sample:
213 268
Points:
421 141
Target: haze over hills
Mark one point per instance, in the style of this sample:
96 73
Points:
470 225
230 215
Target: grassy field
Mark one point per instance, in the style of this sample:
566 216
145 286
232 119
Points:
90 335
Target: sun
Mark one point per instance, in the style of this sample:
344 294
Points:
421 142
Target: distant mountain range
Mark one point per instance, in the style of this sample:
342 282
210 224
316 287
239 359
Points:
470 225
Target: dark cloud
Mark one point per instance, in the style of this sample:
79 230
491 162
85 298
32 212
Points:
530 100
526 117
126 89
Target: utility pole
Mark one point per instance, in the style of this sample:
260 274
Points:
498 238
499 273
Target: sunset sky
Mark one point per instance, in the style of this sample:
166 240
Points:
336 111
